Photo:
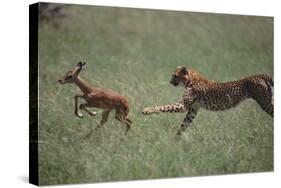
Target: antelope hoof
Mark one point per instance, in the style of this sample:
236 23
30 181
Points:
79 115
94 113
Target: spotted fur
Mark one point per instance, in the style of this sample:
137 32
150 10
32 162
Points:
214 96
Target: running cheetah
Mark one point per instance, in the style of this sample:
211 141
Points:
203 93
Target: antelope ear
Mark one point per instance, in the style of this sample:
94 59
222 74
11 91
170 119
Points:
83 66
183 71
79 64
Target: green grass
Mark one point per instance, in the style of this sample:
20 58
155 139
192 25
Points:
134 52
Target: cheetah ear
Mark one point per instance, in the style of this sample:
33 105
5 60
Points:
183 71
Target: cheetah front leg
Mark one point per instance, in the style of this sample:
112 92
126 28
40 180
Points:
177 107
189 101
191 114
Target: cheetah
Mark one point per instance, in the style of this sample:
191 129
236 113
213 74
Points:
210 95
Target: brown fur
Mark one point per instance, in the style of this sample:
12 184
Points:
203 93
97 97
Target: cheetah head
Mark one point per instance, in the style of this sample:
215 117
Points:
180 76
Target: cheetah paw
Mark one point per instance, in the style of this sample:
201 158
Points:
147 111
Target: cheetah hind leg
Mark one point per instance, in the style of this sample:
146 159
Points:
267 106
266 101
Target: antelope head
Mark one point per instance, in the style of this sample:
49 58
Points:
71 75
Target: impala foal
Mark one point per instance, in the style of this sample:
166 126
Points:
97 97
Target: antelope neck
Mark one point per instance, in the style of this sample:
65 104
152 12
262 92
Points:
83 85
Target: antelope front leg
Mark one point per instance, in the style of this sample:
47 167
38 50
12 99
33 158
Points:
83 107
76 111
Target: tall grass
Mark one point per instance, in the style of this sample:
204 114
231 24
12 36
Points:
134 52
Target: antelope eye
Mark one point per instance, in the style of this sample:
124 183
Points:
69 77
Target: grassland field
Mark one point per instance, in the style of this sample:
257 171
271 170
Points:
133 52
